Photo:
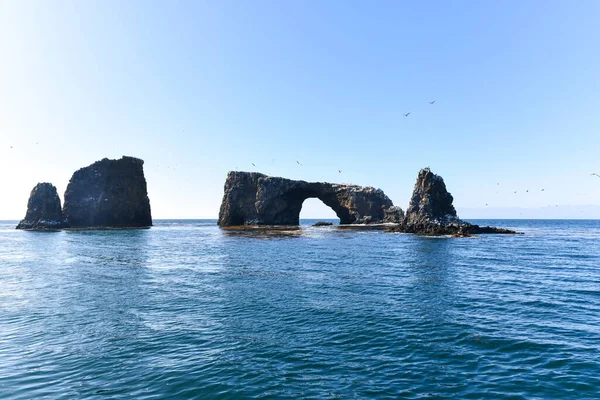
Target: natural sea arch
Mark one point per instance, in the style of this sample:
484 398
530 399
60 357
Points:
252 198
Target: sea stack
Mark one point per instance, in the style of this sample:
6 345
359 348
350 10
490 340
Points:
43 209
108 194
252 198
430 204
431 211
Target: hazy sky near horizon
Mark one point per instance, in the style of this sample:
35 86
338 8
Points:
203 87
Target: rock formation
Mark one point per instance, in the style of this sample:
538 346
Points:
43 209
430 202
256 199
322 223
108 194
431 212
394 215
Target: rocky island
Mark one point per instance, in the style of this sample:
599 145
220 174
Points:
43 210
108 194
431 212
104 195
252 198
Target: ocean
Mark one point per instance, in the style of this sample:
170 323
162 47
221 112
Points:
185 310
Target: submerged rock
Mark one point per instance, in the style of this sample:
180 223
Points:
431 211
459 229
43 209
472 229
108 194
252 198
323 223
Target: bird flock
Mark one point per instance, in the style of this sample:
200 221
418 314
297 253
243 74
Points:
432 102
516 191
340 171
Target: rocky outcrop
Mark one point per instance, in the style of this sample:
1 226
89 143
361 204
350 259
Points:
431 211
393 215
466 230
322 223
252 198
430 202
43 209
458 229
108 194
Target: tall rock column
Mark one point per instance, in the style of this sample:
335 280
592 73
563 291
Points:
431 212
109 194
43 209
431 203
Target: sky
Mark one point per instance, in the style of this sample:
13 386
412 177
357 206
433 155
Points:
199 88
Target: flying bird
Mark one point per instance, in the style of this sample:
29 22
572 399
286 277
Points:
253 165
431 102
527 191
593 174
407 114
515 191
340 171
542 190
298 162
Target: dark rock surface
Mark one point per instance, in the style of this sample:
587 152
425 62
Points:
108 194
431 211
430 202
465 229
393 215
252 198
43 209
255 199
323 223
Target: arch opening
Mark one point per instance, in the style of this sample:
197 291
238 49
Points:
314 210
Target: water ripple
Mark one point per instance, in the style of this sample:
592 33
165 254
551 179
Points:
185 310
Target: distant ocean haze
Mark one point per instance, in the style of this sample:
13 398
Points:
554 211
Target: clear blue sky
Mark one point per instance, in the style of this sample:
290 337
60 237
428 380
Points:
200 88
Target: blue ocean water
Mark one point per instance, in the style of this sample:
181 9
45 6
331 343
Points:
186 310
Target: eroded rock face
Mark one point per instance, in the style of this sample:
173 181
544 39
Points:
393 215
43 209
256 199
430 203
108 194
